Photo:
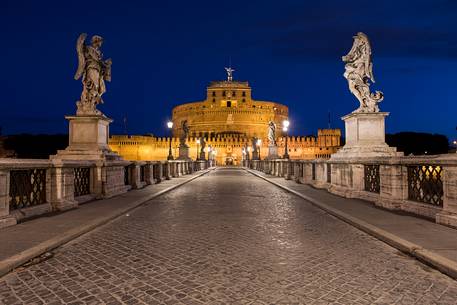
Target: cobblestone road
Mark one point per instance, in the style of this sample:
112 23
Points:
227 238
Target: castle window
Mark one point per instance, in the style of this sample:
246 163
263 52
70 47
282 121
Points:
214 100
214 93
223 93
229 104
244 100
234 93
244 93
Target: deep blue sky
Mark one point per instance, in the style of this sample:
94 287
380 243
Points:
166 52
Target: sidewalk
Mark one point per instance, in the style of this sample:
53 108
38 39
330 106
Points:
25 241
429 242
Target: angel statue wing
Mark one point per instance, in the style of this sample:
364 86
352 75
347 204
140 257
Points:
366 52
81 60
107 69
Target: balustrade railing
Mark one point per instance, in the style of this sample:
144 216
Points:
166 170
142 173
421 185
127 175
63 184
425 184
291 168
27 188
82 181
329 173
156 172
372 181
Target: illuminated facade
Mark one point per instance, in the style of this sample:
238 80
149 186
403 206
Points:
228 119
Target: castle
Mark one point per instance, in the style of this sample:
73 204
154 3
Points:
227 119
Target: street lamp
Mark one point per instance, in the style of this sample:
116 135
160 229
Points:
198 142
170 154
285 126
259 142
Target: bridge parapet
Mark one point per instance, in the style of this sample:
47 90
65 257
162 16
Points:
422 185
29 188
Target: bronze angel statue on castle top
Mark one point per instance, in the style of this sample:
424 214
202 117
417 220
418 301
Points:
93 71
359 71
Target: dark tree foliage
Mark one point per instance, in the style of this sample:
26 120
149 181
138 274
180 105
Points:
29 146
418 143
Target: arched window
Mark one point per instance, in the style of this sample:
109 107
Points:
229 104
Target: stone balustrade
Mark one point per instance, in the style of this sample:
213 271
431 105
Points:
29 188
422 185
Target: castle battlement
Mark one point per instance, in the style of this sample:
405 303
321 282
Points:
228 118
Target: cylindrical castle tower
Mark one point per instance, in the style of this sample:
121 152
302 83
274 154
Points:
229 109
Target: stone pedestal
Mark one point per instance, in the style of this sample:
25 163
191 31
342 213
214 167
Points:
365 136
255 155
448 216
183 152
6 219
88 139
88 147
272 152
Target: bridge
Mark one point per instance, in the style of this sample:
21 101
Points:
227 235
359 225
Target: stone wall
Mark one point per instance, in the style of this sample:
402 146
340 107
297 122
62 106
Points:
227 146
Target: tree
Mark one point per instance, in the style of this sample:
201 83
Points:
418 143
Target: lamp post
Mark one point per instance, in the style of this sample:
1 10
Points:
285 126
198 142
259 142
170 154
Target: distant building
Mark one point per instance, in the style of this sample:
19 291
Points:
228 119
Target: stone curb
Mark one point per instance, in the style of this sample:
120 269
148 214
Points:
21 258
431 258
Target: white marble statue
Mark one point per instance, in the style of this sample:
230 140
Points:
272 133
359 71
93 71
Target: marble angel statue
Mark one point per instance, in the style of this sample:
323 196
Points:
93 71
359 71
271 133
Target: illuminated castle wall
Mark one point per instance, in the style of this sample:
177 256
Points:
228 119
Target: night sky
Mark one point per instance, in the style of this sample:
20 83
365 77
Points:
166 52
